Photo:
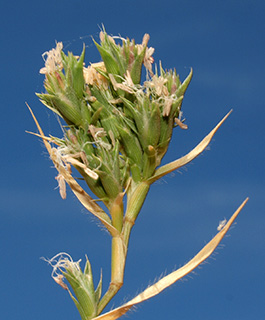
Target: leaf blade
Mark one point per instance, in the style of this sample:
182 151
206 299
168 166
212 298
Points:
172 166
168 280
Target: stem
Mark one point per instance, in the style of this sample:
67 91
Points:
118 259
118 254
135 203
112 290
116 212
120 242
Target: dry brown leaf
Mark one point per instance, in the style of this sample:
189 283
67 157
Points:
174 165
174 276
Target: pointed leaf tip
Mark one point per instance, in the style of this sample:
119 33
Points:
173 277
174 165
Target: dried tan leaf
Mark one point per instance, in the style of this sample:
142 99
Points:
174 276
46 138
80 193
162 171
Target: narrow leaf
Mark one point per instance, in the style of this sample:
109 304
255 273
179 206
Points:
98 291
181 90
174 276
162 171
79 307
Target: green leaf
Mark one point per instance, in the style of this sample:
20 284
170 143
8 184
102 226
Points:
110 183
181 90
110 63
78 77
86 303
137 67
98 291
131 145
154 126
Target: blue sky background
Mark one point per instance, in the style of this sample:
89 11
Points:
224 42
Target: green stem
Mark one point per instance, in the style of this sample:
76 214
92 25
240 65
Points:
135 202
118 254
120 242
118 260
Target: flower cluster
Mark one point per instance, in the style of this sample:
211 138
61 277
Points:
118 129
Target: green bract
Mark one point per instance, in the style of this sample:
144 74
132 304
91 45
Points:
87 298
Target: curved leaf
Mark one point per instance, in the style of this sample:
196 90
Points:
162 171
168 280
